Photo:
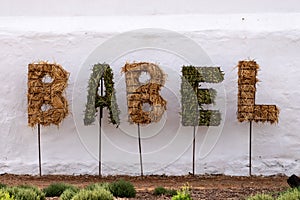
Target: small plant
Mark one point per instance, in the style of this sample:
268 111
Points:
68 194
56 189
261 197
37 191
163 191
2 185
19 193
96 186
122 189
290 195
183 193
160 191
99 194
4 195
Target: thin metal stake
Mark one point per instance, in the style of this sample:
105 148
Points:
194 144
140 150
194 132
100 128
39 144
100 133
250 149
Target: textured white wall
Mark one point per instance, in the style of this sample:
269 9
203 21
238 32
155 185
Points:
271 39
146 7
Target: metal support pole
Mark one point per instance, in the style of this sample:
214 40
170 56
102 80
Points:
194 144
39 146
194 132
250 149
140 149
100 129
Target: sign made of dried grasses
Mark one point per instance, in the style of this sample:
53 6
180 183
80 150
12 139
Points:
193 98
139 93
94 100
247 109
46 103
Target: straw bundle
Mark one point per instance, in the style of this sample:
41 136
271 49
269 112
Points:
193 98
266 113
141 93
94 100
46 94
247 110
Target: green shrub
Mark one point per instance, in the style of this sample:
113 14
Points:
122 189
163 191
292 194
171 192
160 191
99 194
2 185
95 186
56 189
183 194
261 197
35 189
4 195
68 194
23 193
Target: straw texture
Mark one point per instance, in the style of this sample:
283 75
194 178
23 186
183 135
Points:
247 109
139 93
46 103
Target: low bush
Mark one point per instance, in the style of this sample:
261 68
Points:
96 186
292 194
2 185
261 197
35 189
68 194
20 193
183 194
122 189
163 191
160 191
56 189
98 194
4 195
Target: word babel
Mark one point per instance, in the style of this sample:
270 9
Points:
192 97
247 109
46 94
101 73
139 93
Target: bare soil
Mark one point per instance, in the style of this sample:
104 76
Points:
212 187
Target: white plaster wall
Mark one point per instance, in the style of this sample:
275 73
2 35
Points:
271 39
146 7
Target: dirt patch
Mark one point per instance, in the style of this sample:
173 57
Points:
203 187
